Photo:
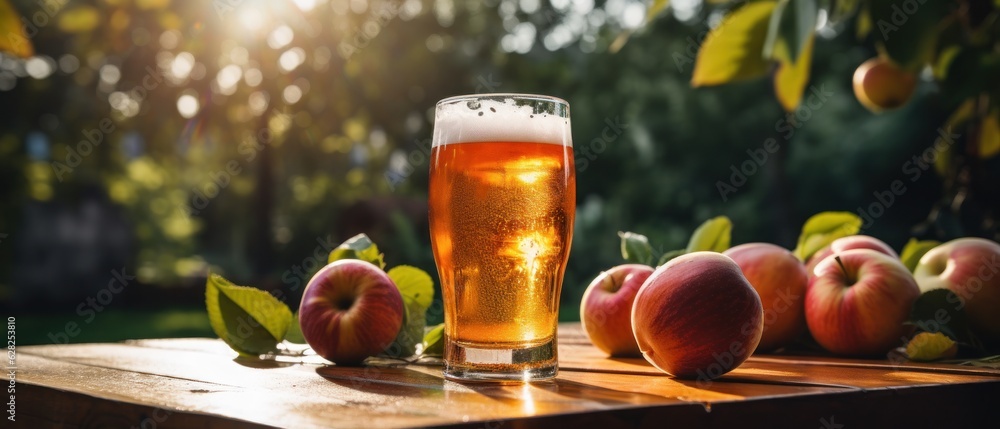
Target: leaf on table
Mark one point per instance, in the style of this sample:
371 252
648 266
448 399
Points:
250 320
914 250
433 344
670 255
822 228
13 39
636 248
417 289
731 51
294 334
414 284
714 235
986 362
941 310
792 24
410 334
931 346
358 247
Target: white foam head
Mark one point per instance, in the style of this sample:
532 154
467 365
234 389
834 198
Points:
502 118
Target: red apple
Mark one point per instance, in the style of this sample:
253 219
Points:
848 243
969 267
780 279
606 309
857 302
350 310
697 316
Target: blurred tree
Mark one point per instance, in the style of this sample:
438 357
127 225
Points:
242 136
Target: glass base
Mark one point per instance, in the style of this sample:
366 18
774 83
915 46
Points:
478 363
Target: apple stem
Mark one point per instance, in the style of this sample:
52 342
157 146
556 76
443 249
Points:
842 267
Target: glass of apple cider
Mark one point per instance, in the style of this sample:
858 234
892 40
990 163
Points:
502 201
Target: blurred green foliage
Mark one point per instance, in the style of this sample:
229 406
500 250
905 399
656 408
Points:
276 126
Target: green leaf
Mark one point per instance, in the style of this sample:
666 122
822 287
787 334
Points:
732 50
985 362
670 255
864 24
417 289
358 247
414 284
713 235
434 341
13 39
841 10
930 346
907 35
967 71
989 136
938 310
821 229
636 248
655 7
792 23
294 334
411 333
914 250
791 78
250 320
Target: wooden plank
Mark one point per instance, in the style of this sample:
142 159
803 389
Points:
771 371
200 382
581 356
212 383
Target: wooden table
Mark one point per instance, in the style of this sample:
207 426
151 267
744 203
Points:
198 383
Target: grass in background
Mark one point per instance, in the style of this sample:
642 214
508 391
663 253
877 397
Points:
115 325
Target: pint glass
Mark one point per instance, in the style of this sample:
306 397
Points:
502 201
